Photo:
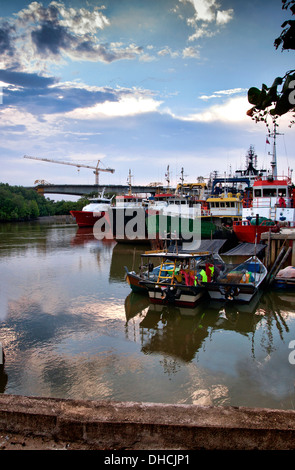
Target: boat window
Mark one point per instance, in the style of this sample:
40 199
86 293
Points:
270 192
257 193
232 204
222 204
282 191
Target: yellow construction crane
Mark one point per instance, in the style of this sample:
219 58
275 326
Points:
78 165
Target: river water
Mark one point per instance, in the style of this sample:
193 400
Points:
70 328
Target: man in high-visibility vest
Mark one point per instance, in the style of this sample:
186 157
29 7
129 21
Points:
209 271
204 275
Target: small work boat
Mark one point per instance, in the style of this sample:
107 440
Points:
240 283
146 272
179 278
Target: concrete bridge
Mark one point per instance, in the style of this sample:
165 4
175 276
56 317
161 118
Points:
84 190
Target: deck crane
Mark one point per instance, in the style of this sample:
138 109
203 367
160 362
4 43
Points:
78 165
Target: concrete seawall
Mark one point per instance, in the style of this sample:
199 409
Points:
146 426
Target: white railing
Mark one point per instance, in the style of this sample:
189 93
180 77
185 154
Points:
260 202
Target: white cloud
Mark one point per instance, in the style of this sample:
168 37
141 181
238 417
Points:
39 37
127 105
207 17
222 93
223 17
233 110
204 9
80 21
167 51
192 52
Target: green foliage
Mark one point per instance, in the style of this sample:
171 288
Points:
19 203
287 36
278 99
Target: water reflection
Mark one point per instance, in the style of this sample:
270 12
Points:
125 254
71 328
181 332
3 378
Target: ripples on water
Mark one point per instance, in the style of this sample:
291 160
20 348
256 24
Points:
71 328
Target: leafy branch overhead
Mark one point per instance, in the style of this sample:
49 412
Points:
279 98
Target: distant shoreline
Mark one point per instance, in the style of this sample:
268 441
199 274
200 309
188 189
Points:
65 219
62 219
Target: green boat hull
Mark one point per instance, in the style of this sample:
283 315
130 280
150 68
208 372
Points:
157 225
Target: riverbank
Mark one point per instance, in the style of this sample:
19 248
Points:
57 219
50 424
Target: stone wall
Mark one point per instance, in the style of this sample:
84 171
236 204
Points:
141 426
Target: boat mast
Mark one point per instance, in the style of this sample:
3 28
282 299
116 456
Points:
182 177
129 183
167 175
273 163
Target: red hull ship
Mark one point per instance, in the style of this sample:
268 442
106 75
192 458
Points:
95 210
85 218
249 233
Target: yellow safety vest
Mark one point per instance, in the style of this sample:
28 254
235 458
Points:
204 275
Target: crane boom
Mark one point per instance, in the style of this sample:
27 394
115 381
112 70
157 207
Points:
78 165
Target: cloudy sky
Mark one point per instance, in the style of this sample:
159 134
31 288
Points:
137 84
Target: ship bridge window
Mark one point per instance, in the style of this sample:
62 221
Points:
282 191
269 192
257 192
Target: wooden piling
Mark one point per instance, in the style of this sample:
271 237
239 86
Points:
275 243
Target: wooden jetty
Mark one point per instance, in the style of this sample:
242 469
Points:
277 243
280 251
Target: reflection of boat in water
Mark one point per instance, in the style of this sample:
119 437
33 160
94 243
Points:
3 375
124 254
135 304
242 317
82 236
85 235
170 331
164 330
240 307
180 334
285 298
240 283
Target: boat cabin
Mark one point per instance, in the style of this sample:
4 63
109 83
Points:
130 201
225 206
273 199
97 204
